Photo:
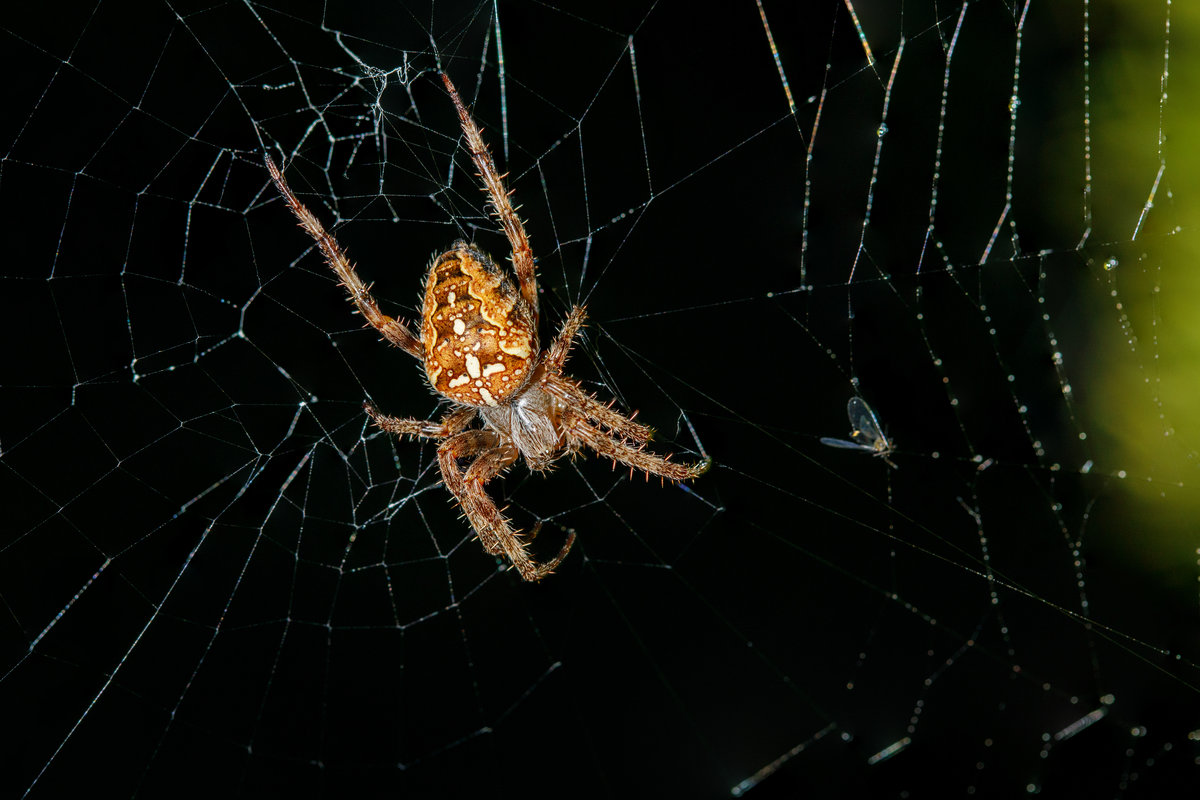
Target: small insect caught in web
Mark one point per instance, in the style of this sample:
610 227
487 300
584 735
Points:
865 433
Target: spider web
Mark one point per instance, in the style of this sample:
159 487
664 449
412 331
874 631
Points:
215 577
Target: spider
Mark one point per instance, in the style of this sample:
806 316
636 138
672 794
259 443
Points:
478 343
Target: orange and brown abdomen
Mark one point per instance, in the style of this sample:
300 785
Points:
480 336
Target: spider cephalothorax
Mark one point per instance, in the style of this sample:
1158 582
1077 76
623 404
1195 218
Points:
479 344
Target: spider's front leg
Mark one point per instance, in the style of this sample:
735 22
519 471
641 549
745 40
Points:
494 455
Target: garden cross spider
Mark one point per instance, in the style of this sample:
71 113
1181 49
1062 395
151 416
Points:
479 345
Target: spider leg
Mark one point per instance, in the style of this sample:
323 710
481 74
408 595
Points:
452 423
577 427
556 356
393 330
465 445
494 531
567 391
522 255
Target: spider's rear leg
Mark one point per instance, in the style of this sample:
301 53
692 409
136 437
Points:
391 329
560 348
522 255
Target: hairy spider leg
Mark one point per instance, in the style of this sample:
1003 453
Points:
452 423
493 456
571 395
576 426
392 329
560 348
522 254
569 392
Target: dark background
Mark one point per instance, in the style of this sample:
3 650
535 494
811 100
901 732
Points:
216 579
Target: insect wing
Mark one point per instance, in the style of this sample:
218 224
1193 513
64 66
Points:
864 428
845 445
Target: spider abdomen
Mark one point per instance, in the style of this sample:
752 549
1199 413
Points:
479 334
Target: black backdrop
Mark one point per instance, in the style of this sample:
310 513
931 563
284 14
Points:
214 578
